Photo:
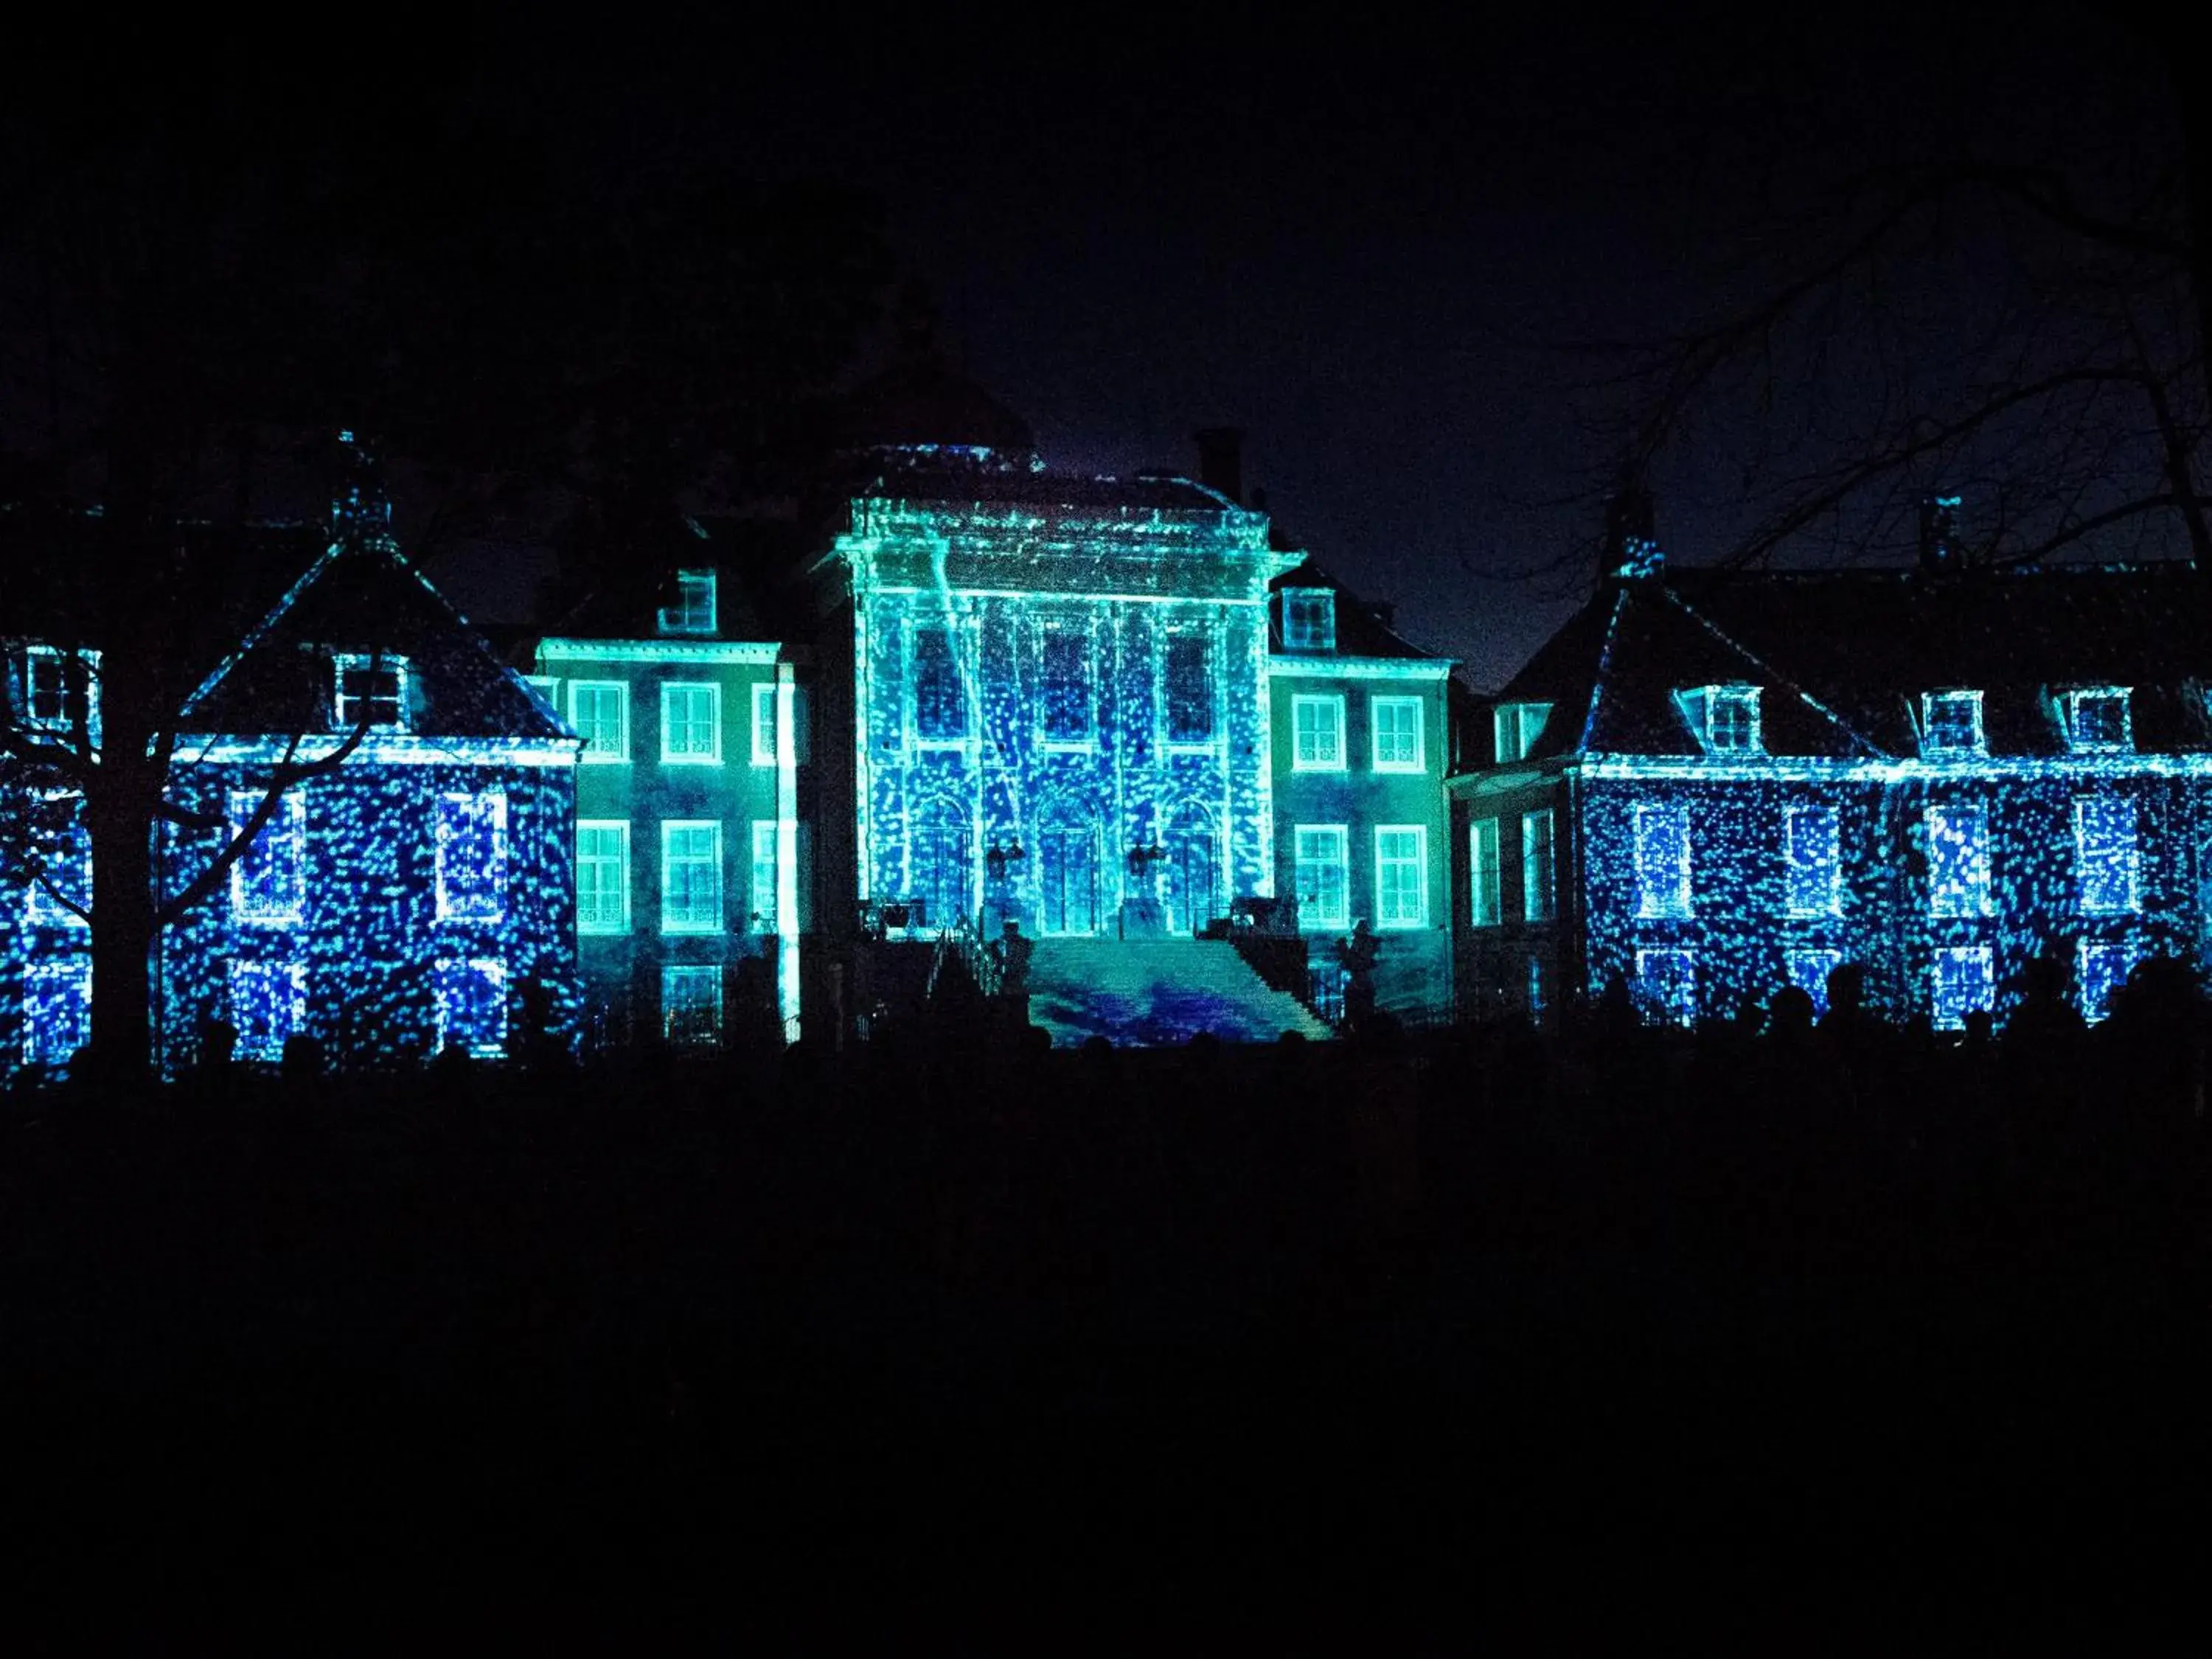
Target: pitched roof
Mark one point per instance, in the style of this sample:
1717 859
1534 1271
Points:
947 477
1845 655
1361 628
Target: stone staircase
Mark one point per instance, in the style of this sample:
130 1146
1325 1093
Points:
1156 992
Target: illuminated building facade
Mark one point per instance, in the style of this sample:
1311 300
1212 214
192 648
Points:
1708 785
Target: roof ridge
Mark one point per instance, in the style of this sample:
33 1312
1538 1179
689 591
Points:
1767 668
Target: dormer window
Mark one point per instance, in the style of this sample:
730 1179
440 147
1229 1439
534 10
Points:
1951 723
1308 619
57 686
2097 719
1516 726
1725 718
370 691
694 610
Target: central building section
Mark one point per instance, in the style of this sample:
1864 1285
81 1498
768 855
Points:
1060 700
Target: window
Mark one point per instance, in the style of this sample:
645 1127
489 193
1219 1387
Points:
1397 733
599 710
57 1009
1321 851
269 882
762 895
1958 861
62 868
694 610
1067 700
1813 874
57 687
941 704
1965 980
691 876
1539 900
473 857
1401 875
1515 726
1724 718
1662 860
2107 861
2097 719
603 875
1485 883
268 1004
2102 967
1317 734
1308 619
691 723
369 691
472 993
1667 986
1951 723
763 723
1190 688
691 1006
1808 970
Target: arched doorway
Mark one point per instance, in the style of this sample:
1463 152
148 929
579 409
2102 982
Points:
1198 889
1068 875
942 861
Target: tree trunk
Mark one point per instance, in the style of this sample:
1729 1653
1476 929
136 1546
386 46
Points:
122 938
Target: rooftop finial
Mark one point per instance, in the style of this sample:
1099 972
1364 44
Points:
360 512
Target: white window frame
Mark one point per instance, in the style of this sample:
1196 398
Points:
1793 815
1670 898
1944 1020
1376 705
680 973
27 715
2129 953
1384 921
767 851
344 662
1931 747
1171 743
1515 727
670 827
620 829
1296 637
2131 857
491 968
1339 837
684 619
1977 902
1701 706
762 722
292 973
490 906
1333 702
1081 632
289 823
1686 1016
1828 958
675 692
620 755
69 977
1486 874
41 907
2073 699
1540 898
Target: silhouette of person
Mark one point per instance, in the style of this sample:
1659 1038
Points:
1359 954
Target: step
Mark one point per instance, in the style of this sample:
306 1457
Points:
1156 993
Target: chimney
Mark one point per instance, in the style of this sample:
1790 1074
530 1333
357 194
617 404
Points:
1938 531
360 512
1221 461
1632 552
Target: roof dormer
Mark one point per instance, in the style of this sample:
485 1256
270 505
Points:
1951 725
2096 719
693 613
1724 719
1308 619
1515 726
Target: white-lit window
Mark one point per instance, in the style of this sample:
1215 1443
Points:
1725 718
473 857
1662 860
268 1004
1397 733
940 698
2108 860
1808 970
691 876
1401 875
763 723
1964 981
1308 619
603 875
1321 851
763 893
471 999
1540 899
1951 723
1958 861
599 710
1189 687
694 610
2097 719
2101 968
691 1006
1484 874
57 1009
1812 868
1067 697
1317 734
1515 726
1667 986
691 723
58 686
62 867
269 882
369 691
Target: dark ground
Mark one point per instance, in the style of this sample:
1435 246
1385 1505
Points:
1806 1344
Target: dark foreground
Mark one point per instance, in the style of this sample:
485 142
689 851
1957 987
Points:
1066 1352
